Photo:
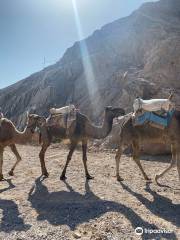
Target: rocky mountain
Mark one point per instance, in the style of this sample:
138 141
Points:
90 74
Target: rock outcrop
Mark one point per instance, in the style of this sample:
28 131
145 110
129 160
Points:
90 74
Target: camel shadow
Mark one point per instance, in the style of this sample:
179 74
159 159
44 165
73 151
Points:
11 220
157 158
11 185
160 206
72 208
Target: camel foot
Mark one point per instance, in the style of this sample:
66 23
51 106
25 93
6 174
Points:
63 177
159 184
89 177
119 179
11 173
1 177
42 177
45 174
148 179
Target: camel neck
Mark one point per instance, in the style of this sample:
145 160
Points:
22 137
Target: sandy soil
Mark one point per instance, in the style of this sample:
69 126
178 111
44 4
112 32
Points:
99 209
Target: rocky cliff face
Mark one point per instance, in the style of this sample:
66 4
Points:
90 74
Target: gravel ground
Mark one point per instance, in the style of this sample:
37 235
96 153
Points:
76 209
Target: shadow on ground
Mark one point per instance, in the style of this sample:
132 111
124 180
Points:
11 220
11 186
157 158
72 208
160 206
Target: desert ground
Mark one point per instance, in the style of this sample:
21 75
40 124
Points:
102 208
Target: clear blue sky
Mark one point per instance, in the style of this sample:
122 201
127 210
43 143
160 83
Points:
33 29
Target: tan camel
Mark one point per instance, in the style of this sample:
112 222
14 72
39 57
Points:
9 136
134 136
80 130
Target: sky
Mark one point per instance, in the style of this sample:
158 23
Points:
36 33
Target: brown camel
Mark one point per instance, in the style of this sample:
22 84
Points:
80 130
9 136
134 136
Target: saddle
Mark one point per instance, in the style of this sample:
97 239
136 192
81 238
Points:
159 119
153 105
62 117
63 110
155 112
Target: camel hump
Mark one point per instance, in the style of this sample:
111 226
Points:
62 117
63 110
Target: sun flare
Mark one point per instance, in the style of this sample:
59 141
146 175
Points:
88 68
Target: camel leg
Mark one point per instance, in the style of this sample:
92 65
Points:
69 156
118 157
41 156
84 152
136 154
173 163
18 157
1 163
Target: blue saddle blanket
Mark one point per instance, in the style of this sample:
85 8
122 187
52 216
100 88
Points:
151 117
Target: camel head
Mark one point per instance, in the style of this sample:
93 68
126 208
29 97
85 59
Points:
114 112
33 121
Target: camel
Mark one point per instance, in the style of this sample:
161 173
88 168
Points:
9 136
80 130
131 135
